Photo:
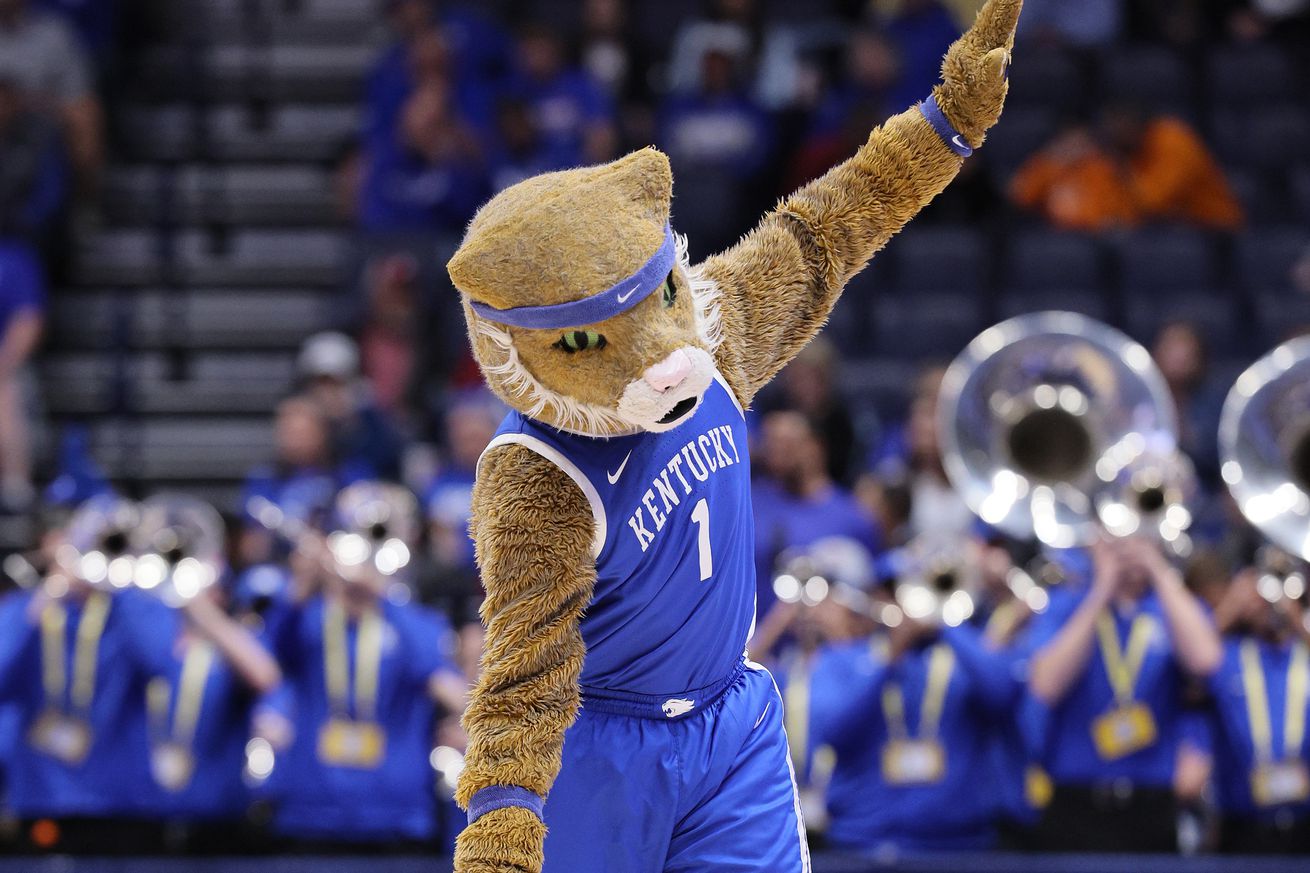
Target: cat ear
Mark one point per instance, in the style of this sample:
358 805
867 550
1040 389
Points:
645 179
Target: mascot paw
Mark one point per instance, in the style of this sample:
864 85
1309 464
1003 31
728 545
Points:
505 840
974 74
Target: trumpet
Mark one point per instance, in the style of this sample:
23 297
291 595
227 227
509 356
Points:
1264 450
178 547
941 584
376 522
97 545
1057 426
836 569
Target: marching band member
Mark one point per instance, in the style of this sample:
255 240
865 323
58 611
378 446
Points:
74 663
365 676
1108 666
1257 724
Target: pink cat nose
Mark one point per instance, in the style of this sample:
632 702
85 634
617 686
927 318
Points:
668 373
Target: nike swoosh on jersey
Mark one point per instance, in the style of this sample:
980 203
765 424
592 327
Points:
614 477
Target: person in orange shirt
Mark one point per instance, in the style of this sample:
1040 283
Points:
1075 184
1170 173
1134 170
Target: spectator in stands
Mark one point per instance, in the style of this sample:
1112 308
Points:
388 339
462 45
471 422
922 31
1255 731
795 500
431 177
1091 24
365 678
1132 169
1074 184
610 54
301 482
718 127
364 441
1107 674
909 715
808 386
910 457
22 319
872 86
1180 353
570 111
1171 174
33 186
41 54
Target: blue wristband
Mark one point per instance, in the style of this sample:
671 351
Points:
942 125
501 796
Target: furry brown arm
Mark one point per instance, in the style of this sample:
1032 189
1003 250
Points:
781 281
533 529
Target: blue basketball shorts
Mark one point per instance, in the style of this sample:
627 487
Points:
678 789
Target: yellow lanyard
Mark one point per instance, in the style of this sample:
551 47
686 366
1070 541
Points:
54 667
368 661
796 708
1002 623
1123 665
940 667
1257 701
196 667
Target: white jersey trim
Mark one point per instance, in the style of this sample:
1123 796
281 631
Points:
718 377
556 457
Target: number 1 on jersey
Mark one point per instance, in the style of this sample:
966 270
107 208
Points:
701 515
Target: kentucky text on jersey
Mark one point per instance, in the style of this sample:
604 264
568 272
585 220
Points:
702 457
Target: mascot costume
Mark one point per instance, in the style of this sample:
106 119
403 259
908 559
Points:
616 725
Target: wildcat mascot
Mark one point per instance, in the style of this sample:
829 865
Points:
616 725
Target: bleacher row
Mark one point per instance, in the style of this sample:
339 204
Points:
222 247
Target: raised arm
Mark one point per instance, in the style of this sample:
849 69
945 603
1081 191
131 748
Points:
533 529
780 282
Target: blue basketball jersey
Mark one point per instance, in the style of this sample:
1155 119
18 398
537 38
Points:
675 586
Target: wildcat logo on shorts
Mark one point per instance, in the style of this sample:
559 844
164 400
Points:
677 706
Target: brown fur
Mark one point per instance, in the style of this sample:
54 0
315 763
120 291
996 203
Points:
563 236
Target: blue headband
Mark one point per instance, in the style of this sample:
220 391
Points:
617 299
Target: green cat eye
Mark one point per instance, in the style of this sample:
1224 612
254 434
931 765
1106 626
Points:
581 341
670 292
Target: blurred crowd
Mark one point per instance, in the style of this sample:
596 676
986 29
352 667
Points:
310 701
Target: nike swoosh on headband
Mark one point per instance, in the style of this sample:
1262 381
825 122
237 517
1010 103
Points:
615 300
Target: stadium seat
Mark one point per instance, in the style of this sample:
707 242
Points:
1249 75
1164 262
1085 302
1046 77
287 132
1043 260
949 258
1155 78
1265 257
926 326
880 384
262 257
1281 317
259 194
1021 133
1215 314
1270 138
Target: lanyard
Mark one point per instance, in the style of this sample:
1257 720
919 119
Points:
54 667
1123 665
1257 701
368 661
796 708
940 666
1004 619
196 668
